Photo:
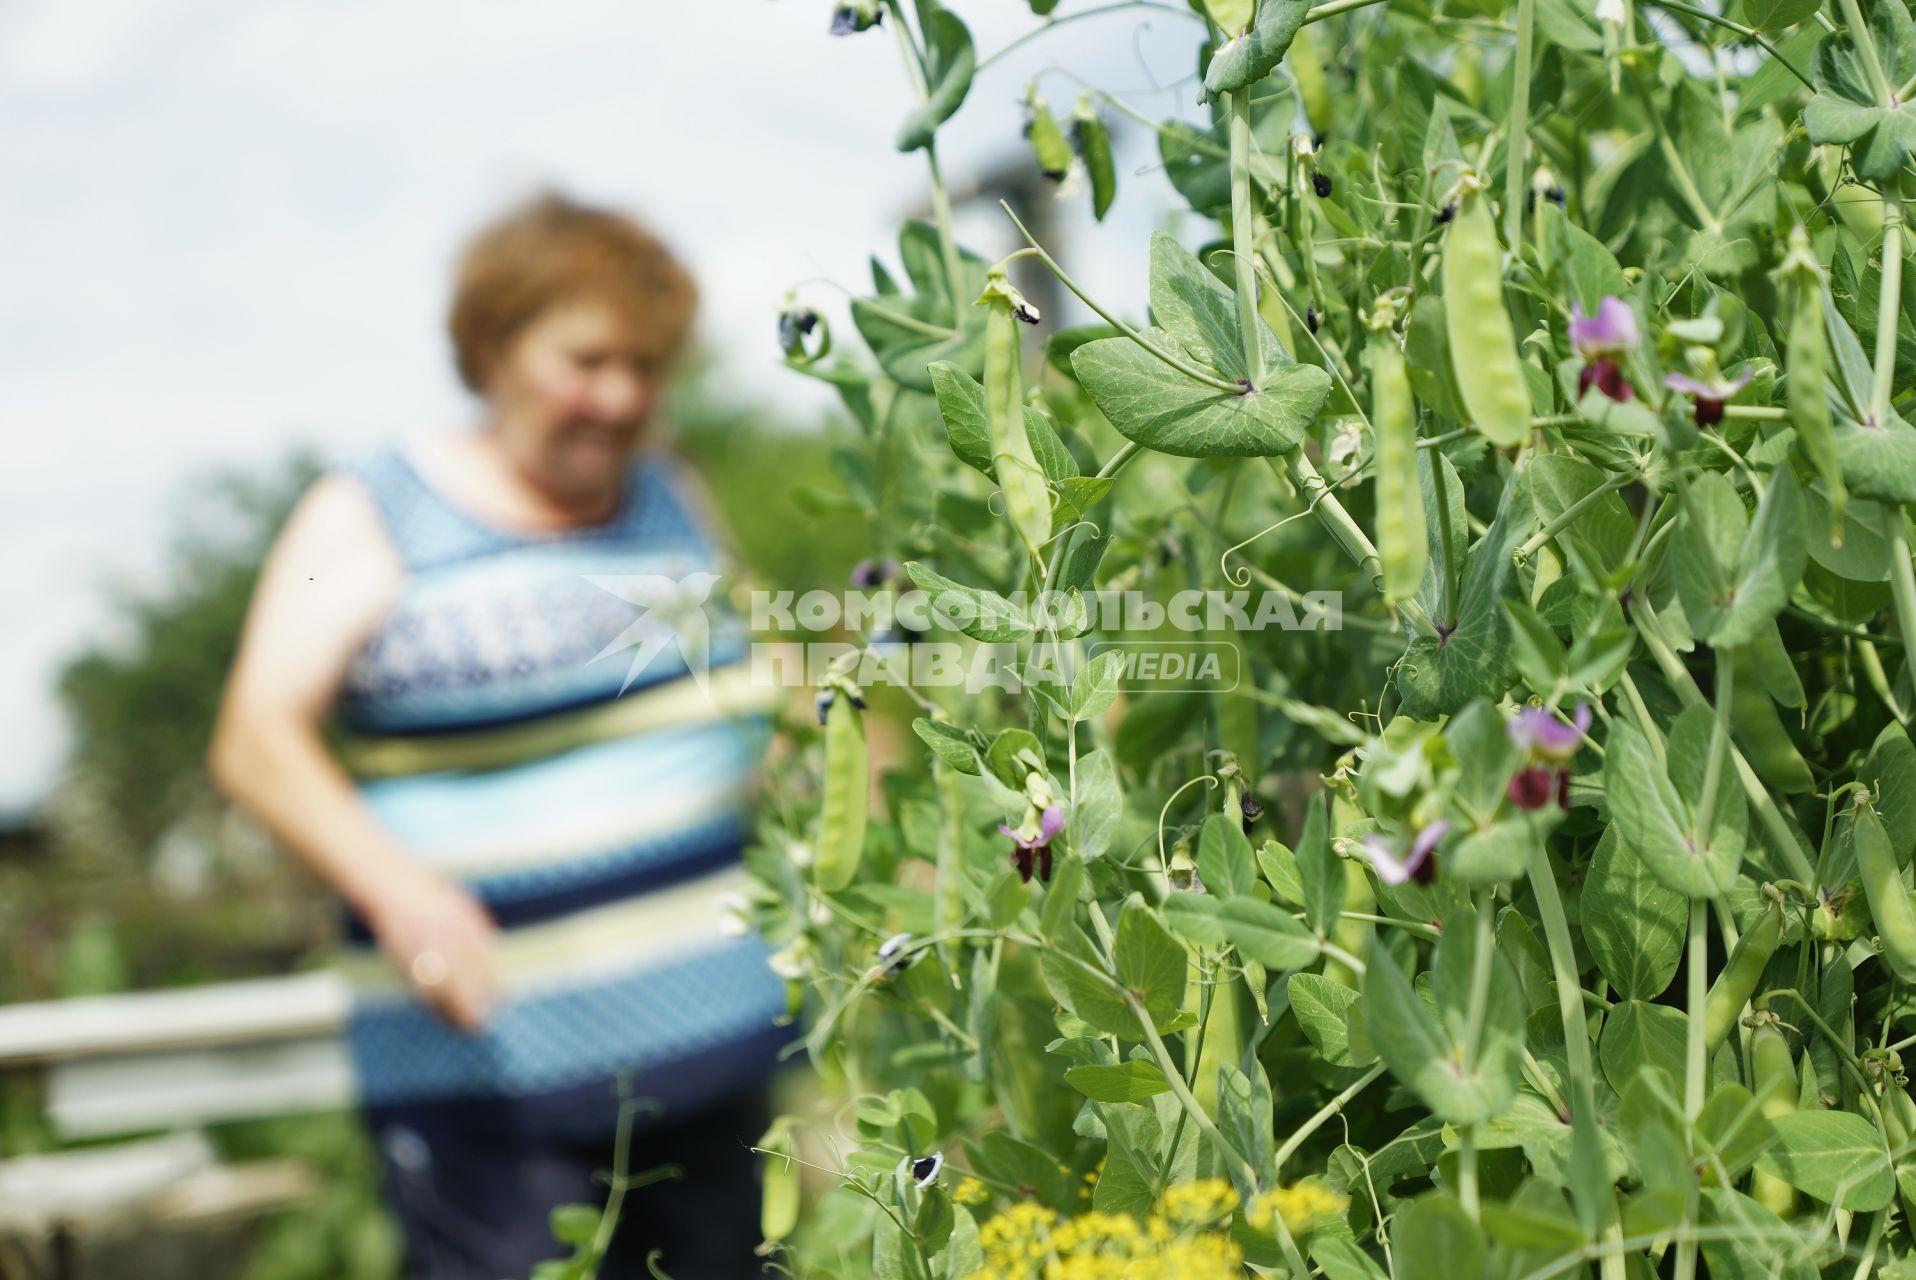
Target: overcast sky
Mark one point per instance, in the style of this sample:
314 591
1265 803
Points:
225 227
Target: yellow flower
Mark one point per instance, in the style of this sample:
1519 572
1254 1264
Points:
1201 1202
970 1191
1304 1206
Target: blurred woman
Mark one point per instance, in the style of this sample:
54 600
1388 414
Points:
534 795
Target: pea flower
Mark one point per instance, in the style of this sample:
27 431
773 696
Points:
1710 394
1549 745
1420 864
1037 845
1600 339
856 15
924 1170
893 959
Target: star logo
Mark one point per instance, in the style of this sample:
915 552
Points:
672 612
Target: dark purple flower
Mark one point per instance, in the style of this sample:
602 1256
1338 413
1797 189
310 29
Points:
1420 864
874 573
1710 394
1039 846
1535 786
1537 730
1251 809
1600 339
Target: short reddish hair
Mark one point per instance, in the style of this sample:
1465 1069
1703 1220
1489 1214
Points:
552 250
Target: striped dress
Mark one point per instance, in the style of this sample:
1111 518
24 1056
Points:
495 725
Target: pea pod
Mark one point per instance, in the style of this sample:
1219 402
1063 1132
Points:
1402 543
779 1199
1483 345
1094 148
1046 138
1882 879
1806 370
1766 745
1773 1072
1737 982
1027 500
841 821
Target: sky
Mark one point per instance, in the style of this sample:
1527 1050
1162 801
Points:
226 228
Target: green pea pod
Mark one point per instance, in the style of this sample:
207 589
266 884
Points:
1094 148
1889 906
1483 346
1306 64
1027 500
1773 1072
1806 371
779 1199
1759 729
1737 982
1402 543
1046 138
841 821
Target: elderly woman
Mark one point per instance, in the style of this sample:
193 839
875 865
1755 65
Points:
456 700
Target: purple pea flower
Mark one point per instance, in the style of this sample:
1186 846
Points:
1420 864
1550 745
1038 846
1710 394
1600 339
1538 731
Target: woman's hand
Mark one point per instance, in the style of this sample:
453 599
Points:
440 939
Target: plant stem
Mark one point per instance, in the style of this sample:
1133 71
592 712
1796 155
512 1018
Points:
1570 515
1242 236
940 198
1576 1033
1888 299
1331 514
1183 366
1694 1059
1059 21
1467 1169
1324 1113
1517 130
1336 7
1719 743
1746 32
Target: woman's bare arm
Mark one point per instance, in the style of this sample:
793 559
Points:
325 582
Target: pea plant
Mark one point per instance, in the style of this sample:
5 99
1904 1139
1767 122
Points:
1549 913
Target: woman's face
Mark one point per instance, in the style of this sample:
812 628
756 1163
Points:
570 396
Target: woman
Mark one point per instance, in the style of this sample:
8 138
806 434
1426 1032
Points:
531 854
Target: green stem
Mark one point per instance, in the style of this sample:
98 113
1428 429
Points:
1747 33
1719 743
1336 7
940 198
1242 236
1349 535
1059 21
1517 131
1570 515
1324 1113
1556 934
1467 1170
1694 1058
1888 299
1177 362
1866 44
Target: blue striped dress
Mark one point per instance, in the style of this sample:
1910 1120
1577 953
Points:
495 724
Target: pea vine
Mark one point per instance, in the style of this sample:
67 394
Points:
1548 916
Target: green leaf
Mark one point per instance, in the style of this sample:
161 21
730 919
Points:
1086 994
1196 916
953 745
1320 872
1150 962
1437 1232
1245 59
1658 823
574 1224
1764 564
1632 922
1095 688
1425 1049
1845 109
1834 1156
1132 1081
1100 805
950 60
1224 859
980 614
1061 896
1322 1009
910 332
1190 303
1437 676
1636 1035
1155 405
1267 934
